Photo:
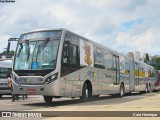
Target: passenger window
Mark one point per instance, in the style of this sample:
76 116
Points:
70 54
127 69
98 58
66 53
115 63
108 60
74 54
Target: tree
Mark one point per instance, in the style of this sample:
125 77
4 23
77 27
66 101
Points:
145 60
10 52
147 57
157 66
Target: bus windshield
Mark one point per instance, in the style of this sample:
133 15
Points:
36 55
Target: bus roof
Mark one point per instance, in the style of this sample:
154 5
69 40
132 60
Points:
44 29
65 30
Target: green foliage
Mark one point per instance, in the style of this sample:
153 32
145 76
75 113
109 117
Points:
158 59
145 60
10 52
147 57
157 66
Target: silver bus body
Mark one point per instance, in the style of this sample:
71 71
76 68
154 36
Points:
5 69
102 69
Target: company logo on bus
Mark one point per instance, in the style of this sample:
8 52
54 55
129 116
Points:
91 74
27 80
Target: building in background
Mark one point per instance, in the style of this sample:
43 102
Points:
137 55
152 60
131 55
146 58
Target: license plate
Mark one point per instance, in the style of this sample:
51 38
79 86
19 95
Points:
31 91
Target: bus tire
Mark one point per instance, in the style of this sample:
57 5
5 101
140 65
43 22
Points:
48 99
0 95
85 93
121 91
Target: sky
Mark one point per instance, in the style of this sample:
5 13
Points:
122 25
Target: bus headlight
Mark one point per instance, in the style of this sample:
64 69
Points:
51 78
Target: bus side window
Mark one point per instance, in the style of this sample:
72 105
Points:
99 58
73 55
66 53
114 63
108 61
70 54
70 59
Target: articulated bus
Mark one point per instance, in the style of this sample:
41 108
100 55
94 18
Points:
5 70
59 63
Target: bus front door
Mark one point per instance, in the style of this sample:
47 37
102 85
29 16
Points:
69 66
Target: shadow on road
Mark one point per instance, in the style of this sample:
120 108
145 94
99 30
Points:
103 100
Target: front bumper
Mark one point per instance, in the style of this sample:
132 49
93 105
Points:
5 92
51 89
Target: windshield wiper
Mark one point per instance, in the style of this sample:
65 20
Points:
20 49
42 46
27 49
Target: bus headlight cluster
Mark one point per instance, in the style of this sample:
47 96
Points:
51 78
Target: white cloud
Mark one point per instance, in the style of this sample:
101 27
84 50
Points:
99 20
61 13
144 42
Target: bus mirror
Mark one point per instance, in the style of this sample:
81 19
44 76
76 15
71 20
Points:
8 47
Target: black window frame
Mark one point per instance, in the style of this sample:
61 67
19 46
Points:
67 68
69 64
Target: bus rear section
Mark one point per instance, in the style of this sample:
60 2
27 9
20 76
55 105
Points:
157 80
5 69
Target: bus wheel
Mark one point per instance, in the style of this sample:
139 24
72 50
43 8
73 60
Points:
0 95
121 93
85 93
48 99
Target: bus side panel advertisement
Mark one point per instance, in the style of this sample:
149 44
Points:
86 53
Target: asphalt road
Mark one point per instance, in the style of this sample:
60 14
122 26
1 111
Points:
37 102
